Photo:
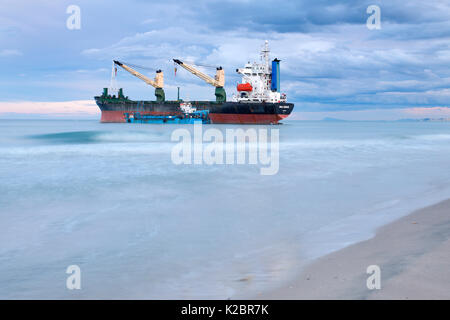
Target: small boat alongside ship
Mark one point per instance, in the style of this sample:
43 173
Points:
258 99
188 116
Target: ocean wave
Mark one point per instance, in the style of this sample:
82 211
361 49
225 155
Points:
86 137
118 149
433 137
338 143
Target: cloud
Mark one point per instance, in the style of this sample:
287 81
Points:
81 108
10 53
376 114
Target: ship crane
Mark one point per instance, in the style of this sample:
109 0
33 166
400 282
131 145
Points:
218 81
158 83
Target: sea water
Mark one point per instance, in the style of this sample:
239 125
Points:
108 199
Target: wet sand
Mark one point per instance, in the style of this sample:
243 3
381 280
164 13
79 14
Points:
413 254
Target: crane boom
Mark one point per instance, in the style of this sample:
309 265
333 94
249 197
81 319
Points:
218 81
158 83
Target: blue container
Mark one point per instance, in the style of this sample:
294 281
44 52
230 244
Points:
275 86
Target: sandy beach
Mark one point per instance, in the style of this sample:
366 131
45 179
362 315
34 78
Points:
413 254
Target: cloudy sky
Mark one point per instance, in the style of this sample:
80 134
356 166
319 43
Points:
331 62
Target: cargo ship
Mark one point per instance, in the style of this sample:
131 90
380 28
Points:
258 99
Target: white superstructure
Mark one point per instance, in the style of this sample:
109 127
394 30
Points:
256 83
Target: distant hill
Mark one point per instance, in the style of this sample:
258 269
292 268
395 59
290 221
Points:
425 120
333 119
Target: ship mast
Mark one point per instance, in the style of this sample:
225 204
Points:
265 55
113 88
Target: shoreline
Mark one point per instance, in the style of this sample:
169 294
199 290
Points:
413 254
